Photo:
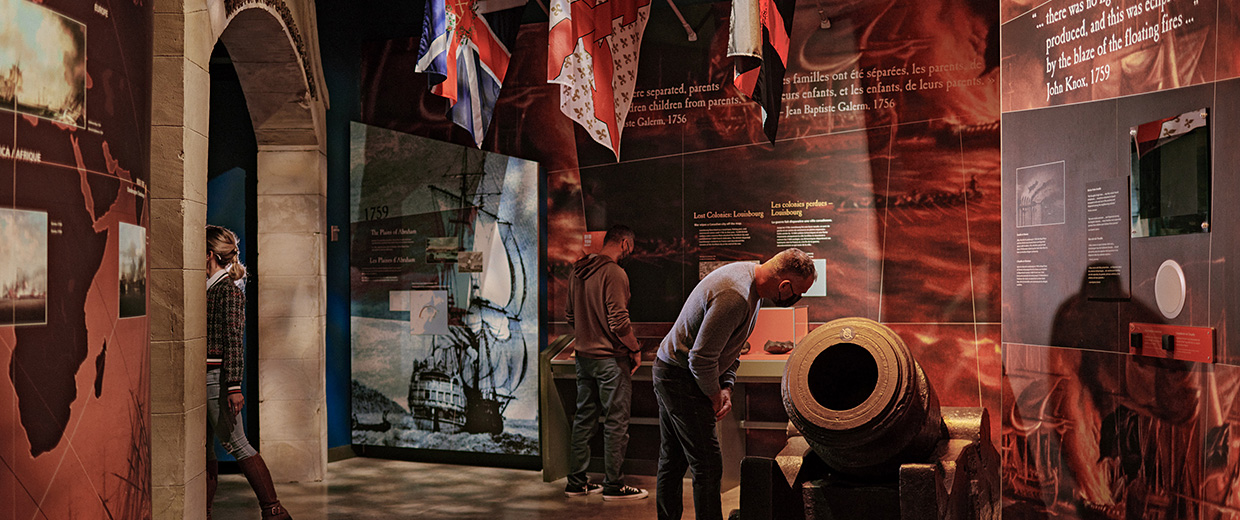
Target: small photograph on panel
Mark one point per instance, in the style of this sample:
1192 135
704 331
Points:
706 267
469 262
23 267
428 310
132 264
441 250
1040 195
42 63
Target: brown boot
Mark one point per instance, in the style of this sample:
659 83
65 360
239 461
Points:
213 481
256 472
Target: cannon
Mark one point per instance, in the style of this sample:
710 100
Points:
868 439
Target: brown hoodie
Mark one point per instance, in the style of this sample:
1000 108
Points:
598 309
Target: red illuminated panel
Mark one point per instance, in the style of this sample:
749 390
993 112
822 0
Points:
592 242
777 324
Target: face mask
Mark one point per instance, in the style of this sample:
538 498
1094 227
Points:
624 255
789 301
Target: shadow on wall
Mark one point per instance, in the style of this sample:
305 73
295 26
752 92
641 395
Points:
1108 435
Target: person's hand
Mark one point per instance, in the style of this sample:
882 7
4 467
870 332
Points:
636 356
235 403
722 403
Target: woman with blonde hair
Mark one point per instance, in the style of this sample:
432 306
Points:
225 367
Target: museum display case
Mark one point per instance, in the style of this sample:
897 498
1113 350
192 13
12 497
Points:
757 424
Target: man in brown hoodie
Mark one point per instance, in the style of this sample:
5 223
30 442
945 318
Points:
607 355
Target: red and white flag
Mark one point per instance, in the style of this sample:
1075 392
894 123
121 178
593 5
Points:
760 36
593 56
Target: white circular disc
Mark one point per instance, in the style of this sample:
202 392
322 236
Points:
1170 289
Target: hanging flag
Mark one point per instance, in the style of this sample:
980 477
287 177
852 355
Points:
760 34
593 57
465 58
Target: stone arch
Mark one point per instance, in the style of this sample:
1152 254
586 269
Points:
274 48
269 54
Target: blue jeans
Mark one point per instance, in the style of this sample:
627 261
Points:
604 387
223 424
686 441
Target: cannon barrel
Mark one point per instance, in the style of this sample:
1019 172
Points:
859 398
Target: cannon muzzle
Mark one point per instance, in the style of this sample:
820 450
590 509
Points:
859 398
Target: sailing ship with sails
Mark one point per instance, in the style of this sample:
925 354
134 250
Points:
472 372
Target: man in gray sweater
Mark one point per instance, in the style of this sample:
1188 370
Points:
696 367
607 355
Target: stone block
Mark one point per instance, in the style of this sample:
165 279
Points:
194 231
296 461
196 495
199 38
178 305
183 6
169 438
287 137
168 162
167 377
195 373
178 234
292 419
194 167
282 74
300 254
194 311
296 172
196 438
168 502
197 99
167 240
167 311
168 6
300 337
289 296
284 379
168 90
289 214
169 39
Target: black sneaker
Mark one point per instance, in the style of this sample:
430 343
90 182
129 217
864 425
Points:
625 493
582 490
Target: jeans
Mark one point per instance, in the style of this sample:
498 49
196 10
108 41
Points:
604 387
220 420
686 441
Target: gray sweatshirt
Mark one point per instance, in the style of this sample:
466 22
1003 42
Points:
713 325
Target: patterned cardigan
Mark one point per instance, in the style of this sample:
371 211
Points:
225 325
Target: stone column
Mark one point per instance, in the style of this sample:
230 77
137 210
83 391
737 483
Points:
292 308
179 123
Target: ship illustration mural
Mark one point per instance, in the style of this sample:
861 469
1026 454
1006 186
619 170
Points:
444 255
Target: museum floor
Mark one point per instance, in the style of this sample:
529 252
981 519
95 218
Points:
364 488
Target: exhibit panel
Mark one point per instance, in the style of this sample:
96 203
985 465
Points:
895 193
941 197
1229 36
444 300
984 221
1071 51
1224 295
889 121
1116 235
1045 262
816 194
74 336
1091 434
654 211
